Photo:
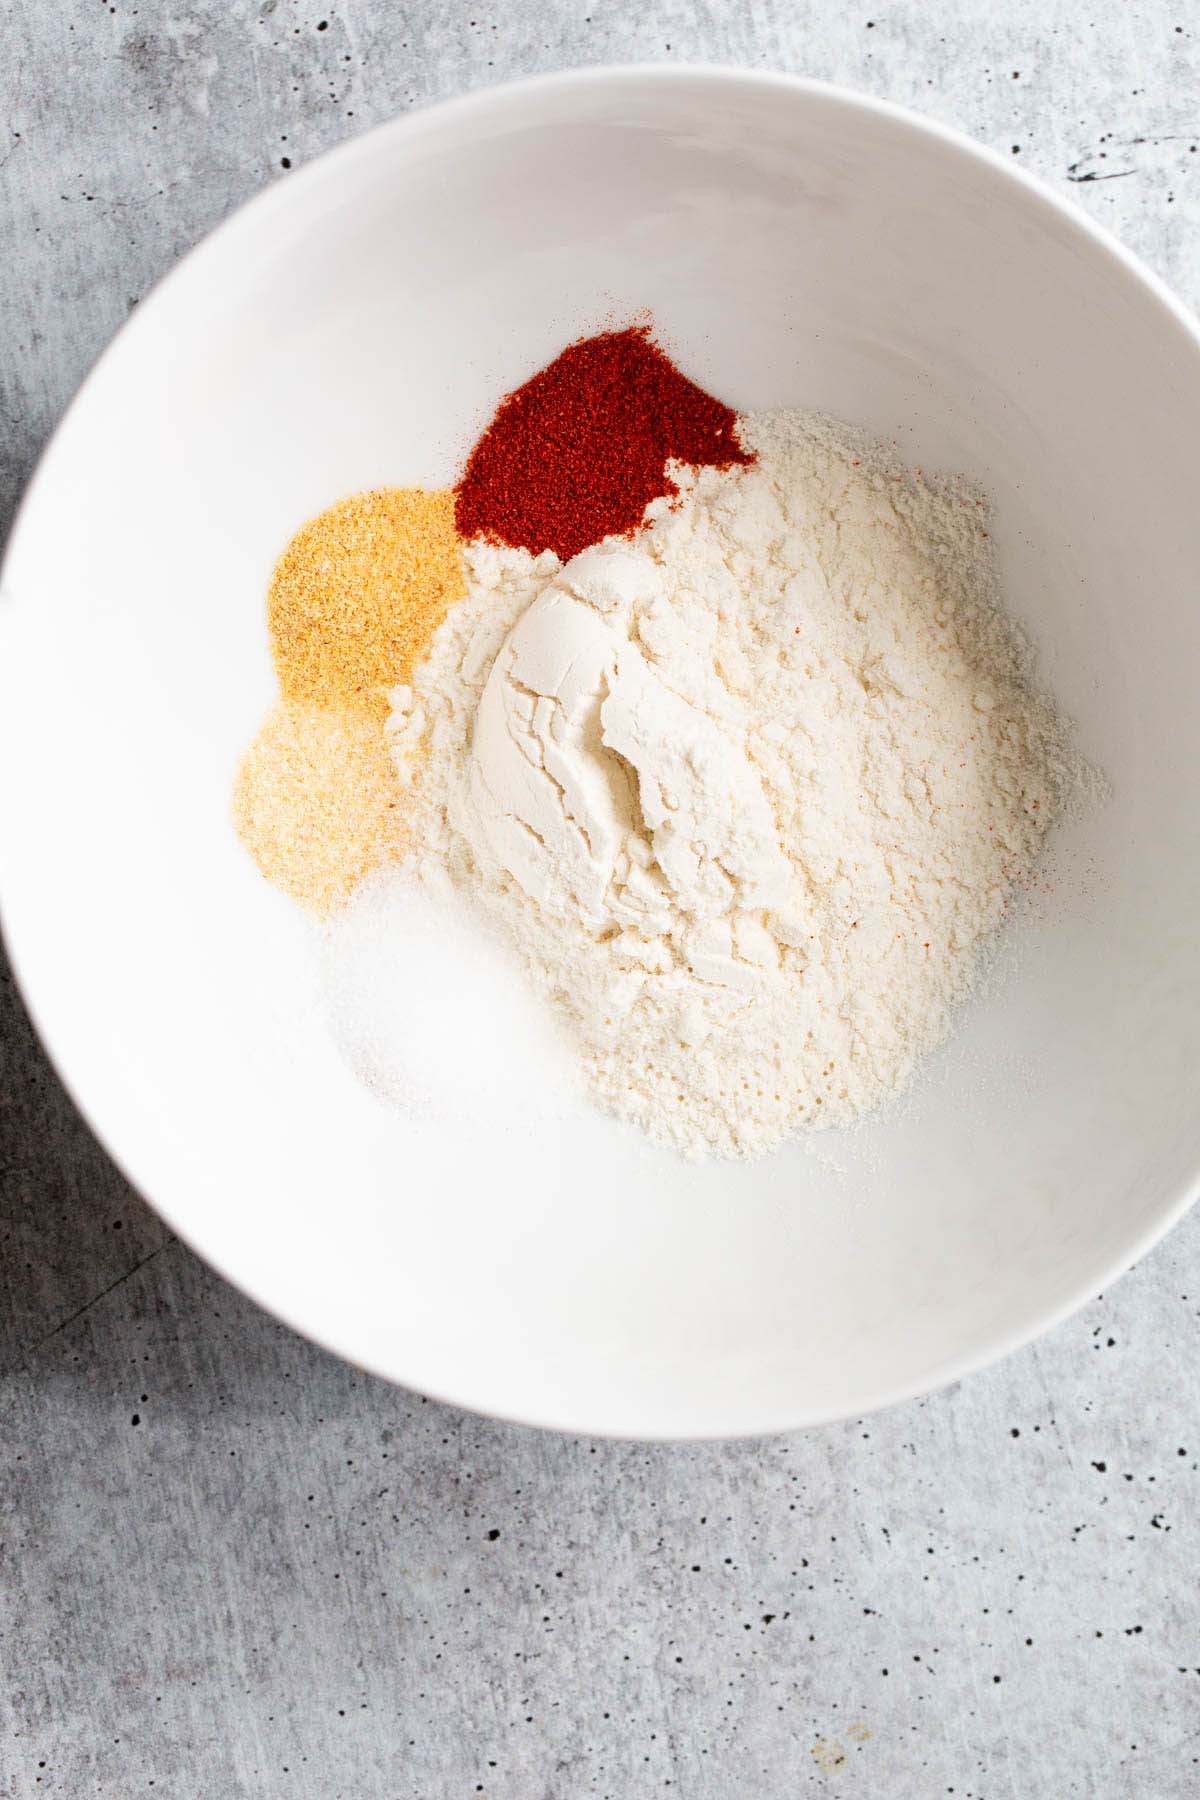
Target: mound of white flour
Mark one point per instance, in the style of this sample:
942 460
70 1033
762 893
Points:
748 791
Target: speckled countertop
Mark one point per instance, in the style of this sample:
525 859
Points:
233 1566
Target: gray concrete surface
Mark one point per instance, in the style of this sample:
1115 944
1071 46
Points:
232 1566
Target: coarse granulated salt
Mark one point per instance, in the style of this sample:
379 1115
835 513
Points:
433 1012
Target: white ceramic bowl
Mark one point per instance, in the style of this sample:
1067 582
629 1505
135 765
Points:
355 326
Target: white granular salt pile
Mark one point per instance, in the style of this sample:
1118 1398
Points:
748 791
408 972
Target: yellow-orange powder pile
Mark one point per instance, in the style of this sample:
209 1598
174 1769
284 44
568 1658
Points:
359 592
353 603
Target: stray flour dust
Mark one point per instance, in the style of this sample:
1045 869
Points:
747 791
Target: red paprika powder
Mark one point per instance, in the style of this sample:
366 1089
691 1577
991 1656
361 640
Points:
576 454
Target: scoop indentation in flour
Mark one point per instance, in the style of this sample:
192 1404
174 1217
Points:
604 792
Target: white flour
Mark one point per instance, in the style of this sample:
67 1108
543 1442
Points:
747 792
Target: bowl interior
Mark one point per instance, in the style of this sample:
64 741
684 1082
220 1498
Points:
354 327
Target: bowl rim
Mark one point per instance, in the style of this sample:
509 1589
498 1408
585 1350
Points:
478 105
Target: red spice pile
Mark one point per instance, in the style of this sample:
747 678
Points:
578 452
